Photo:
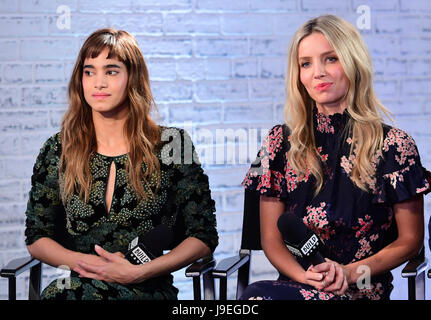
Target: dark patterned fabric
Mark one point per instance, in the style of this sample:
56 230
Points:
183 202
351 223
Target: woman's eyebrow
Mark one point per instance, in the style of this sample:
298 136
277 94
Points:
323 54
108 66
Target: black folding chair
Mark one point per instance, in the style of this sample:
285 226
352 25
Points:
414 270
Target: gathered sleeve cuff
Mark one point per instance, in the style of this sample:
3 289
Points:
266 174
403 175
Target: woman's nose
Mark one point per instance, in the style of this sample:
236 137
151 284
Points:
319 70
100 82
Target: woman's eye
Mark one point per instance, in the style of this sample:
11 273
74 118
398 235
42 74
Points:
332 59
88 73
305 64
112 72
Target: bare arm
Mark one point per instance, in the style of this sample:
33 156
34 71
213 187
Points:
51 252
120 270
188 251
409 217
410 223
274 247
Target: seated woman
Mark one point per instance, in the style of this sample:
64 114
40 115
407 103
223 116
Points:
110 175
341 170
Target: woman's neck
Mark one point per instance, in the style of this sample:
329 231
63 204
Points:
330 109
111 140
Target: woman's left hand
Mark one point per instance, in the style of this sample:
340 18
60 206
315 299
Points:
335 276
116 268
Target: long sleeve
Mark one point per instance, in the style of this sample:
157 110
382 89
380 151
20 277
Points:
44 199
193 203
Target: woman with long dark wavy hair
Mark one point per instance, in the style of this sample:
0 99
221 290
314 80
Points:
340 170
109 175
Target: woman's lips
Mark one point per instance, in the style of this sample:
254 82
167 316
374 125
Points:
100 96
323 86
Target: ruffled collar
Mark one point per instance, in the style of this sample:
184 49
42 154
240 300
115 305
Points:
331 124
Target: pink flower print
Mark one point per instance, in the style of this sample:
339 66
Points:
272 142
292 179
307 294
364 249
396 176
324 124
317 220
420 190
323 157
364 226
404 143
325 296
374 237
347 164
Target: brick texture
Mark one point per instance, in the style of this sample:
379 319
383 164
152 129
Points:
214 64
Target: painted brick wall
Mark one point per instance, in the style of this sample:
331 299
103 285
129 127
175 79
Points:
215 66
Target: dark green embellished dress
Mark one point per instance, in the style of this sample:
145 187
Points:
183 202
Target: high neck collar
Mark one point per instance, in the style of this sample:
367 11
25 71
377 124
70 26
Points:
331 124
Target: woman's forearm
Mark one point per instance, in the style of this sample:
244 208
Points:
385 260
188 251
410 225
281 258
51 252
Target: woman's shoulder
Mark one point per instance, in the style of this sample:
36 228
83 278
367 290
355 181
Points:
277 139
398 140
52 146
168 131
47 162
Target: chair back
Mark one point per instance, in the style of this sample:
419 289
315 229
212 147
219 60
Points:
251 221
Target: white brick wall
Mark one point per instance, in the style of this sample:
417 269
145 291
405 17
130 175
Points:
219 64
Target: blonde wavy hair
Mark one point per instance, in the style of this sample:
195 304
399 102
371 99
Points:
77 134
364 108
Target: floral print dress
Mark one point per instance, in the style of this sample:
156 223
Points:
183 202
351 223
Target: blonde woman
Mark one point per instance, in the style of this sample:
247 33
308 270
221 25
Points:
343 172
109 176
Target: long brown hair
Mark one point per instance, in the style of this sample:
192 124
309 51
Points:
363 106
77 135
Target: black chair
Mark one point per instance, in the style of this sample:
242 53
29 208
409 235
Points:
414 271
14 268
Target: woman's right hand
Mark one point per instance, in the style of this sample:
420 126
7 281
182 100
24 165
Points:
328 276
96 259
318 280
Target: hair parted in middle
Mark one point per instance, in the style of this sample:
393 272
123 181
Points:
77 130
363 106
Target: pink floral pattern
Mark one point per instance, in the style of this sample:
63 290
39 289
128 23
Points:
317 220
316 295
350 222
324 124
